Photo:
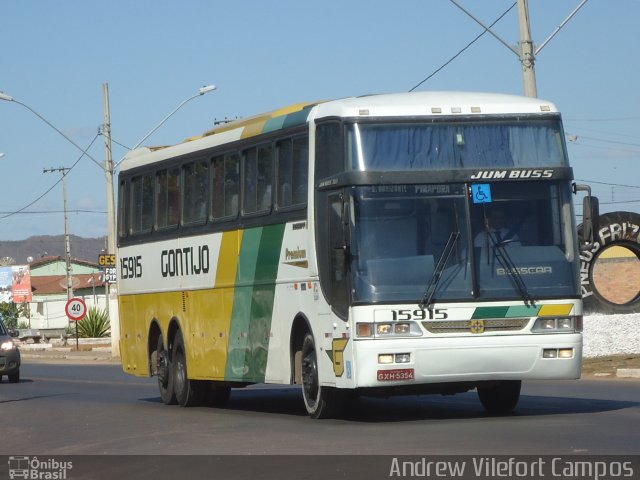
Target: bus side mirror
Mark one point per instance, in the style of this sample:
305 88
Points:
590 214
590 218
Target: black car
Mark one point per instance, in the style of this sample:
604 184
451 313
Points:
9 355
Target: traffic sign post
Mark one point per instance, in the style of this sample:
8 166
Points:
76 310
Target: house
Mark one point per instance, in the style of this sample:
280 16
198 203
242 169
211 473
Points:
49 290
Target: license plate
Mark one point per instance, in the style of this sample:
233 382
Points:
395 375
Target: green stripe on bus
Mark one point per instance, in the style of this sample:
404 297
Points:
490 312
253 303
262 301
238 347
523 311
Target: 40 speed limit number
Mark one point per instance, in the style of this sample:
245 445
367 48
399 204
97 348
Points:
75 309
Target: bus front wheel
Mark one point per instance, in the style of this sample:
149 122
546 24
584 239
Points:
320 401
500 398
189 393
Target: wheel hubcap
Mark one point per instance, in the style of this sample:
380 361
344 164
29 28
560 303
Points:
310 377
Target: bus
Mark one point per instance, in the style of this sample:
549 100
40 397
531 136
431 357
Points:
351 247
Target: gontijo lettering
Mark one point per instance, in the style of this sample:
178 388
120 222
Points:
184 261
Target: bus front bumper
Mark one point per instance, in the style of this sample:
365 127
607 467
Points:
467 359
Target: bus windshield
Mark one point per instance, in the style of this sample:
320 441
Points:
527 142
399 235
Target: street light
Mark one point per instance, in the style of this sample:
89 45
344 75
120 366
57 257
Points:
109 169
8 98
111 209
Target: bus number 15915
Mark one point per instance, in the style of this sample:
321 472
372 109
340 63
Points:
420 314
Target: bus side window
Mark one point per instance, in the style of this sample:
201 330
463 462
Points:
300 172
231 184
257 180
123 217
293 167
217 188
224 199
264 178
285 172
249 200
141 204
167 198
195 192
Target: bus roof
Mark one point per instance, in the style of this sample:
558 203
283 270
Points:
415 104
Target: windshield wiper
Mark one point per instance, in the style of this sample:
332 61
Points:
437 273
507 263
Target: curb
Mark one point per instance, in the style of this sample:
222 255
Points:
628 373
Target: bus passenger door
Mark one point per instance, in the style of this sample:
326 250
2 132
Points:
339 253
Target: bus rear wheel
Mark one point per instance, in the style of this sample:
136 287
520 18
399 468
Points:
320 401
189 393
500 398
165 374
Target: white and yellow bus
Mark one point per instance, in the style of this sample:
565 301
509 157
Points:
348 246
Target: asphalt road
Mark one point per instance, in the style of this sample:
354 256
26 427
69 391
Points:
67 409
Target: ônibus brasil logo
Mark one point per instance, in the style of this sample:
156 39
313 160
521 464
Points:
36 469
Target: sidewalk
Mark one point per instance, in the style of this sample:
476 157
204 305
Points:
44 353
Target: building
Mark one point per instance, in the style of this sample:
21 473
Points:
49 290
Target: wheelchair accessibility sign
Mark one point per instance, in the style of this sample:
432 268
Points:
481 193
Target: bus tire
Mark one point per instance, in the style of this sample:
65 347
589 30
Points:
165 374
616 228
500 398
320 401
189 393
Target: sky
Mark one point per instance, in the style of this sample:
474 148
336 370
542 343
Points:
266 54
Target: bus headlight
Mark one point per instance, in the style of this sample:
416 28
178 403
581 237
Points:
387 330
384 328
557 324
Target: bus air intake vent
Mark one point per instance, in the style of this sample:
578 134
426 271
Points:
464 326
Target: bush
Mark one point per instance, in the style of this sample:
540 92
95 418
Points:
95 324
23 325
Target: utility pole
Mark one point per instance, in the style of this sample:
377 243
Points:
111 289
67 244
526 53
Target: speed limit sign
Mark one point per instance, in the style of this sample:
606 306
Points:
75 309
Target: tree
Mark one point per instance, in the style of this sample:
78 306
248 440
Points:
9 312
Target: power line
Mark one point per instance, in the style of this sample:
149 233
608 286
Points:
465 48
54 185
616 142
30 212
609 184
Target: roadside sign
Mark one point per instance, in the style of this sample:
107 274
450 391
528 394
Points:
75 309
108 262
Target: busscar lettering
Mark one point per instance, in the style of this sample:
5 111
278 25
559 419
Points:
541 270
185 261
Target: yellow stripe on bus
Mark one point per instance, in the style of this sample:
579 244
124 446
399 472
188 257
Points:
552 310
210 314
